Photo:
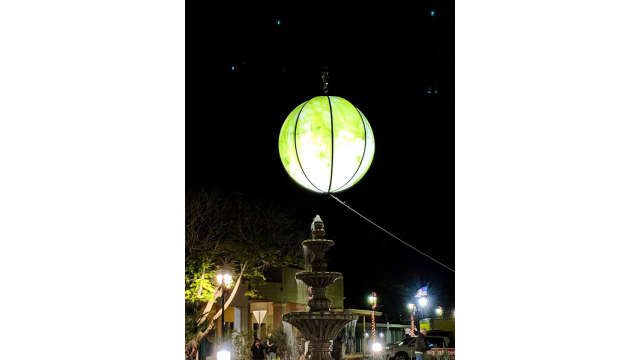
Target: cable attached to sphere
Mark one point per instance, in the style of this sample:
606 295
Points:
390 234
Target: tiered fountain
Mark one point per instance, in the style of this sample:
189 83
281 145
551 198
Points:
319 325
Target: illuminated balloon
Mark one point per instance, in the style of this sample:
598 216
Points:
326 144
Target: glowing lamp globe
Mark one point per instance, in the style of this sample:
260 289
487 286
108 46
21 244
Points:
326 144
224 355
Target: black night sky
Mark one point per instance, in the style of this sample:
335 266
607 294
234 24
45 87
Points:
245 73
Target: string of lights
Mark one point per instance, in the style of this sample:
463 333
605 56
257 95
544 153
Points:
392 235
412 310
373 326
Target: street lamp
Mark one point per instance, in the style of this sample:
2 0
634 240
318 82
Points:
423 301
373 300
225 281
412 311
224 355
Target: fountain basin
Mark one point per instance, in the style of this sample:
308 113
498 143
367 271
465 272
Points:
319 327
318 278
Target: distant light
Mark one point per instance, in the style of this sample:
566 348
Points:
233 68
227 280
366 334
278 22
376 347
438 311
382 335
223 277
411 306
423 301
435 91
224 355
432 13
372 299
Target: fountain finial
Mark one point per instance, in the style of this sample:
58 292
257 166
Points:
317 228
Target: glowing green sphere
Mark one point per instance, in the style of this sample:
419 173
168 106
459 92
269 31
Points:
326 144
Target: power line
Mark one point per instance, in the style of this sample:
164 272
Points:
390 234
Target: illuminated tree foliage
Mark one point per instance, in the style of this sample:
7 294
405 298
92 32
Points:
248 235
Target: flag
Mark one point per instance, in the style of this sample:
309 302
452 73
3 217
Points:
422 292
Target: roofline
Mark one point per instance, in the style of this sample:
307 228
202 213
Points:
362 312
392 325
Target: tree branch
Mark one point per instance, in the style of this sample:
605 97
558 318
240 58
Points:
204 333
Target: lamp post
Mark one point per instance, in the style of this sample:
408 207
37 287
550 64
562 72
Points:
373 300
225 281
423 301
412 311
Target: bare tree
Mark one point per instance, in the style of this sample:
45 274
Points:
228 229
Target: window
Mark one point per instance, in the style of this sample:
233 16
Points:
435 342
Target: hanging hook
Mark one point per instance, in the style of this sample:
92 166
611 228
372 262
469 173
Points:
325 81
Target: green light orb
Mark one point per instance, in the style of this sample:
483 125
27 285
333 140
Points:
326 144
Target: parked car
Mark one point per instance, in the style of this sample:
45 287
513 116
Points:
448 336
404 350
